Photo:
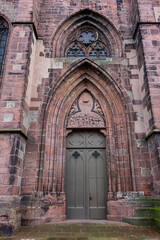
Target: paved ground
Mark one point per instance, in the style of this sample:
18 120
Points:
86 230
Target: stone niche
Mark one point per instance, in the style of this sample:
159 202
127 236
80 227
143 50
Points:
86 112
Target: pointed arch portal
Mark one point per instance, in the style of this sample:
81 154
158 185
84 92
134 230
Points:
86 171
86 97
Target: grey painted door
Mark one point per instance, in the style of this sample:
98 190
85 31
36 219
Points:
86 176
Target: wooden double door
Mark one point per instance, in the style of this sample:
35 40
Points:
86 175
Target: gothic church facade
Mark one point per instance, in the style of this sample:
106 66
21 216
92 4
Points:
80 109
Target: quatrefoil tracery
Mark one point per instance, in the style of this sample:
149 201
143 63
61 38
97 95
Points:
87 43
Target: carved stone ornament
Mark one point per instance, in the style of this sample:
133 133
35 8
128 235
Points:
86 112
74 108
97 108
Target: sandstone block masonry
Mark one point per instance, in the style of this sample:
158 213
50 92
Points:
55 51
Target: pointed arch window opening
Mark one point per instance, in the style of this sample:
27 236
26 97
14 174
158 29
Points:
3 40
87 43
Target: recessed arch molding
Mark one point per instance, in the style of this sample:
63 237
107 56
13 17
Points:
86 19
85 77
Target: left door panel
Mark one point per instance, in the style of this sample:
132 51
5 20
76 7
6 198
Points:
75 185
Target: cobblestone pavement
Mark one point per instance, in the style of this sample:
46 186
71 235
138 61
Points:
86 230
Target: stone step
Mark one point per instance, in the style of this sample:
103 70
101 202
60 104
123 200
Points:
139 221
157 216
157 212
144 212
157 221
149 202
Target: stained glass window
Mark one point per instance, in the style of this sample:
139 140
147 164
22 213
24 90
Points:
98 51
3 39
87 43
75 51
87 37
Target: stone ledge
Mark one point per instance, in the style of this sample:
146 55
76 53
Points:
27 23
154 131
12 131
143 23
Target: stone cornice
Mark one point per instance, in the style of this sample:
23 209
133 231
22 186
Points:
143 23
27 23
154 131
14 131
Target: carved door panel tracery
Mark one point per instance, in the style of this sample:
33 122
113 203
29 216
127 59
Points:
86 175
95 140
76 140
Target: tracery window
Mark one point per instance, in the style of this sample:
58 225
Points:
3 40
87 43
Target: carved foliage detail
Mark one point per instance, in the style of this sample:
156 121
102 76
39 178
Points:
97 108
74 108
86 112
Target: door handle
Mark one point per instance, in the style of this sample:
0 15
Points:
90 198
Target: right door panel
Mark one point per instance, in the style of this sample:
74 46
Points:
97 183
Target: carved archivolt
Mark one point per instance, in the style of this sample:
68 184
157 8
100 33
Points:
86 112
